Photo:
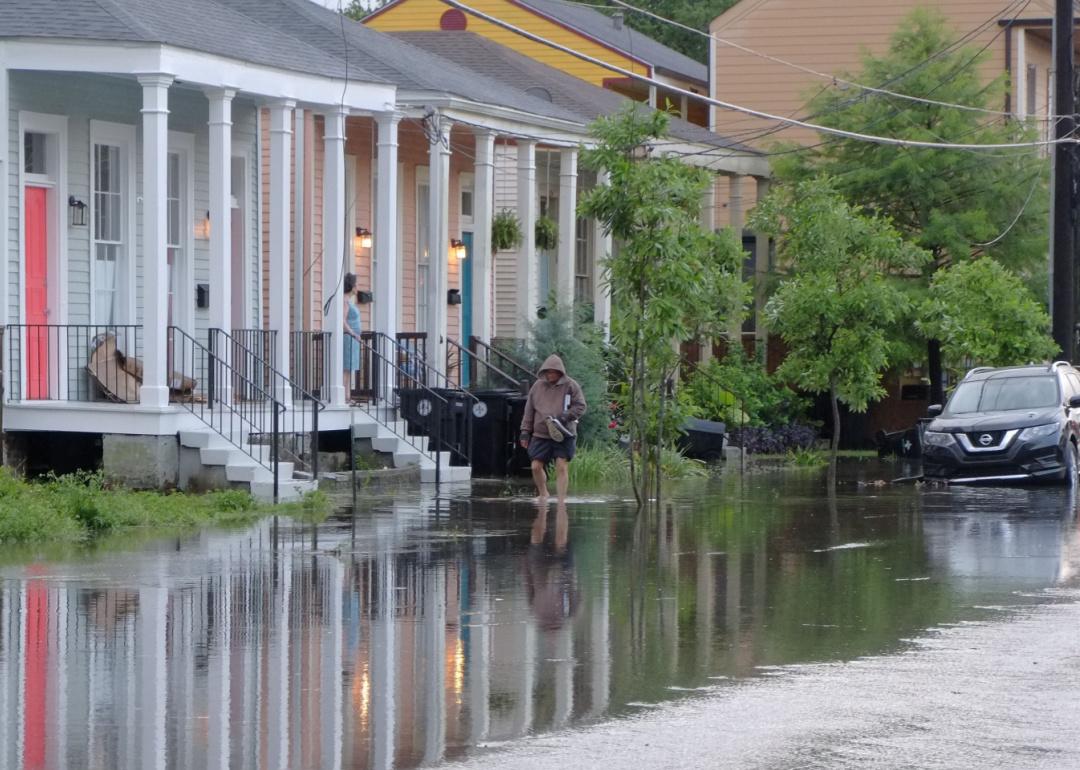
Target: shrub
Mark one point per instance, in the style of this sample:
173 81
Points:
737 390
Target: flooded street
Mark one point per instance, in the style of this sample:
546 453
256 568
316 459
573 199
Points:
751 621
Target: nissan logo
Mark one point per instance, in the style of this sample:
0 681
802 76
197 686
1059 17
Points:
986 439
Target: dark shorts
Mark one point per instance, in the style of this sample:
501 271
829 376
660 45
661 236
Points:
546 450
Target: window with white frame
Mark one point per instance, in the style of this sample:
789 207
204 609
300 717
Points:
174 241
423 260
583 260
109 230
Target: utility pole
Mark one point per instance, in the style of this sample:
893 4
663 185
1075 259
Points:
1063 274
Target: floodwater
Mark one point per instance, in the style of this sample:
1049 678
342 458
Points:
418 630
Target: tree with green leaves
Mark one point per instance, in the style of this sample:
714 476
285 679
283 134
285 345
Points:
957 204
665 278
358 10
835 306
983 314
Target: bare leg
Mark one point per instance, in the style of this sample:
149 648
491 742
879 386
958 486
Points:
562 477
348 386
540 479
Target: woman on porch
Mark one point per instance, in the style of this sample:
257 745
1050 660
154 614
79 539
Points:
351 355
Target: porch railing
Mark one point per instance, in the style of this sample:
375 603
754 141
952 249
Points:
436 420
310 363
252 425
74 362
474 372
501 360
261 345
298 430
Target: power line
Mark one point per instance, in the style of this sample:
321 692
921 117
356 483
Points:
834 79
748 110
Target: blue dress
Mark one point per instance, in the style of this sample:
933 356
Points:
352 346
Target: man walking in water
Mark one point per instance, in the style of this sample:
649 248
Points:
549 427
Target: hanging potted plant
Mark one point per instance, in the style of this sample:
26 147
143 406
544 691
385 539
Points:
505 231
547 233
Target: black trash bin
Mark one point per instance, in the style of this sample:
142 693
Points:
703 439
496 425
454 417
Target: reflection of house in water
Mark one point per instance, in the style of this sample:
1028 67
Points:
408 634
259 651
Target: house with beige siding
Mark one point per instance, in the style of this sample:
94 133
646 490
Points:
832 36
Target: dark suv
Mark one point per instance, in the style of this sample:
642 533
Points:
1016 424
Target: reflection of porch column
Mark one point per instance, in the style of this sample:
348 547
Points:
220 677
761 271
567 227
383 707
387 270
602 245
221 208
280 200
152 620
482 257
330 664
526 263
478 662
439 244
155 125
434 635
277 675
335 258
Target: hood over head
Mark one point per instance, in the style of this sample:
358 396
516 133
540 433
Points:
553 362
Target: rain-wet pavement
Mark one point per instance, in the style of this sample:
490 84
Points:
750 622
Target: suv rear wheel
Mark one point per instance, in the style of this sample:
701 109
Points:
1072 465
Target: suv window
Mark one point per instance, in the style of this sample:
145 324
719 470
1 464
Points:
1073 380
1005 393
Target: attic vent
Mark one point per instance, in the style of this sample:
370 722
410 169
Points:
453 21
539 93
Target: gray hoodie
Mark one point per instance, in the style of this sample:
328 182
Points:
563 400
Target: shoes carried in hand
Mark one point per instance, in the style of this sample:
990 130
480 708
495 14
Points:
557 430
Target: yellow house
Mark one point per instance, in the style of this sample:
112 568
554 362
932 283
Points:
571 25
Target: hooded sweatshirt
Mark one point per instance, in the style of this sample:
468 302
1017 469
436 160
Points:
563 400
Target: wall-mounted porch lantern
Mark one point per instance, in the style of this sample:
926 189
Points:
458 250
76 211
362 240
453 296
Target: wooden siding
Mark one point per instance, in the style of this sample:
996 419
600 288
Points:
832 36
424 15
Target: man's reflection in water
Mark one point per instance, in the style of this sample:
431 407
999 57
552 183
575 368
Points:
550 577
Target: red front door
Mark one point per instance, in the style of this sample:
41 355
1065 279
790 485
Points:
37 292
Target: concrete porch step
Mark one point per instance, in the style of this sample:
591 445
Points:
251 471
289 490
446 474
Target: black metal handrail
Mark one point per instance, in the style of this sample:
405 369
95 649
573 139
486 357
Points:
74 362
299 429
481 372
485 352
245 423
386 406
263 345
309 363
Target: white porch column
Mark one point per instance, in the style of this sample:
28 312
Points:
387 265
439 244
564 282
155 126
221 208
735 204
602 246
4 175
527 299
482 256
280 200
335 260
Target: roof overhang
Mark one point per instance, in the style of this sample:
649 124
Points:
721 160
503 120
194 68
